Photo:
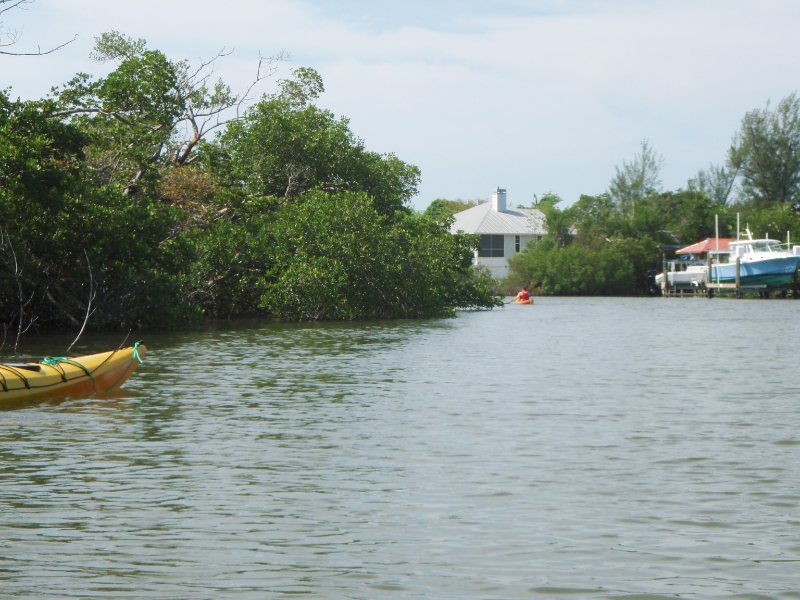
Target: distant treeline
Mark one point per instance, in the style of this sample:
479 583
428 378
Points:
154 197
612 243
157 197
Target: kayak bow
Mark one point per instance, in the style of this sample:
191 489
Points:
60 376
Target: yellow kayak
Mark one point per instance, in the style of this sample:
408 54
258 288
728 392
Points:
60 376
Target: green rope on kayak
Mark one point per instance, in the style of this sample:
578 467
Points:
134 356
136 352
55 360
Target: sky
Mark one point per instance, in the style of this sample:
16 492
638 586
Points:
536 96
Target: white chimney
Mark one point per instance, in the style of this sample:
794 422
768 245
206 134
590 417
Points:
499 200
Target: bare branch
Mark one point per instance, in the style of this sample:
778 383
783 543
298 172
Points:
14 35
39 51
266 68
208 63
16 273
12 4
202 104
204 119
90 301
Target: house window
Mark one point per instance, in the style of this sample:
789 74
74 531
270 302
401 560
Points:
516 243
491 246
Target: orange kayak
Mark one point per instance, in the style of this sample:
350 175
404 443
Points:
61 376
528 301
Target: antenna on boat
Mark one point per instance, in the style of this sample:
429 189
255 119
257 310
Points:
716 237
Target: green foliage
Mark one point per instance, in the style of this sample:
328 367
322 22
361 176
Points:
232 259
775 221
149 113
559 224
129 115
337 257
766 153
40 161
442 210
67 239
595 248
139 263
283 149
288 216
715 182
596 217
106 205
676 217
546 202
636 180
40 173
305 85
576 270
113 45
439 271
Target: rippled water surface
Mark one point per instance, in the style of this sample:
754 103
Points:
578 448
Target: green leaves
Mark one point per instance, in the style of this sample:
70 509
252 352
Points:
594 247
766 153
442 210
57 219
287 216
305 85
284 148
577 270
142 91
636 180
336 257
114 45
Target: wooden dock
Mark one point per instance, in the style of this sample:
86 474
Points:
738 290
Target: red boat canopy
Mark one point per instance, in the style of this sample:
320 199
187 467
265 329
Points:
707 245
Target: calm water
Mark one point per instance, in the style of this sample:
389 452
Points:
579 448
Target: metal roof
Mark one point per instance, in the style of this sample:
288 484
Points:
512 221
707 245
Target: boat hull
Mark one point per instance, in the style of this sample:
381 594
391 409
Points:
775 272
81 375
692 277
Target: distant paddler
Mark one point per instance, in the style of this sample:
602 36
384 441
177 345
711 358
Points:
523 297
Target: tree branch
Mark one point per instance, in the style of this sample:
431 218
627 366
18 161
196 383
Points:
16 274
89 309
14 35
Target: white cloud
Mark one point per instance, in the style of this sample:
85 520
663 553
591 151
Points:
535 96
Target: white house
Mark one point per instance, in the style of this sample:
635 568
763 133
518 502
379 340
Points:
504 231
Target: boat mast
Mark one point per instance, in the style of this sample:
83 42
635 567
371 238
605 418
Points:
716 237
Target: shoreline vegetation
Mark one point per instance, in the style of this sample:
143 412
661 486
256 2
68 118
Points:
158 198
613 243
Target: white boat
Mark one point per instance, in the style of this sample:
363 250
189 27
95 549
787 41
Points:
690 272
762 263
690 276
